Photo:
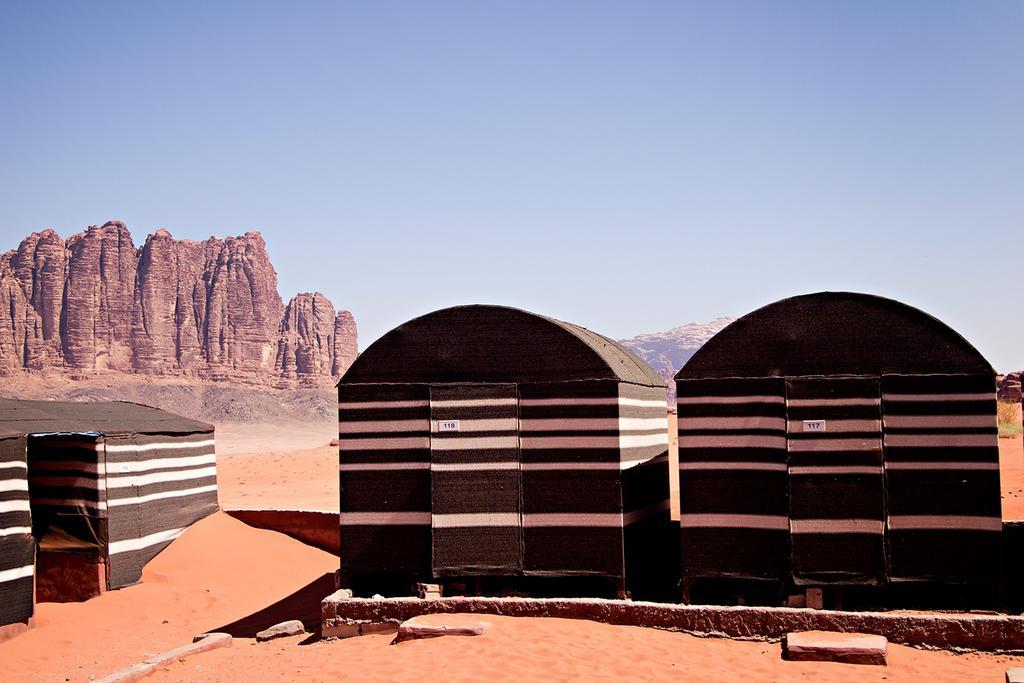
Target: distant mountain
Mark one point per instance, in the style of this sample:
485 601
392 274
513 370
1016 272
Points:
95 302
666 352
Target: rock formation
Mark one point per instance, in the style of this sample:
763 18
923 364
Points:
208 309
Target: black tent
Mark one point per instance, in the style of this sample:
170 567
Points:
839 438
103 488
484 440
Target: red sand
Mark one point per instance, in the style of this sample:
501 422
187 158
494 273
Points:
1011 474
218 571
516 649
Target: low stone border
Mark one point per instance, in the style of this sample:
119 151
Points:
990 633
210 641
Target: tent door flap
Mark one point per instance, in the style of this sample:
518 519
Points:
836 480
476 498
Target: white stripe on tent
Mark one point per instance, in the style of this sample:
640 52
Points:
837 526
643 440
381 405
474 443
574 519
13 530
744 422
840 426
826 445
80 482
461 520
163 463
13 485
940 421
159 477
472 402
6 464
166 445
635 516
643 403
384 518
944 522
727 521
930 398
948 465
15 506
496 424
473 466
628 424
828 402
67 503
179 493
384 443
716 465
836 469
570 424
382 466
393 426
714 400
73 465
733 441
942 440
17 573
130 544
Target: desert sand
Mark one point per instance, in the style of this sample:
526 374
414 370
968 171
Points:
222 571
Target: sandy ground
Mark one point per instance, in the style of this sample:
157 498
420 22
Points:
1011 475
218 571
521 649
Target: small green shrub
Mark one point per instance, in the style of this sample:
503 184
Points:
1008 415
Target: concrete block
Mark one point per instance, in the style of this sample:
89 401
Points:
830 646
428 591
815 598
1015 675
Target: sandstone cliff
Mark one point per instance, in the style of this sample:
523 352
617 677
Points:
209 309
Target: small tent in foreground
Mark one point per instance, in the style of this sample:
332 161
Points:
838 439
489 441
98 489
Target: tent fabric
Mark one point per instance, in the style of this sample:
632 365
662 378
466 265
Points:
119 479
839 438
942 476
495 344
733 484
532 479
107 417
17 547
835 333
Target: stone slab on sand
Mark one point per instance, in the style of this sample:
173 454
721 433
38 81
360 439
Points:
437 625
293 627
1015 675
830 646
135 672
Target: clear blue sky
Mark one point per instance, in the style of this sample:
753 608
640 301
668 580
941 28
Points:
628 166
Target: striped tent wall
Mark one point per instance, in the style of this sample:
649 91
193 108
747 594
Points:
733 489
17 546
384 477
572 463
67 481
942 475
476 501
157 485
837 502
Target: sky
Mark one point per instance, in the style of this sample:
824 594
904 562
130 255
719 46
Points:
627 166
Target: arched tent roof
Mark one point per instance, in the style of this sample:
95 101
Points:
483 343
835 333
